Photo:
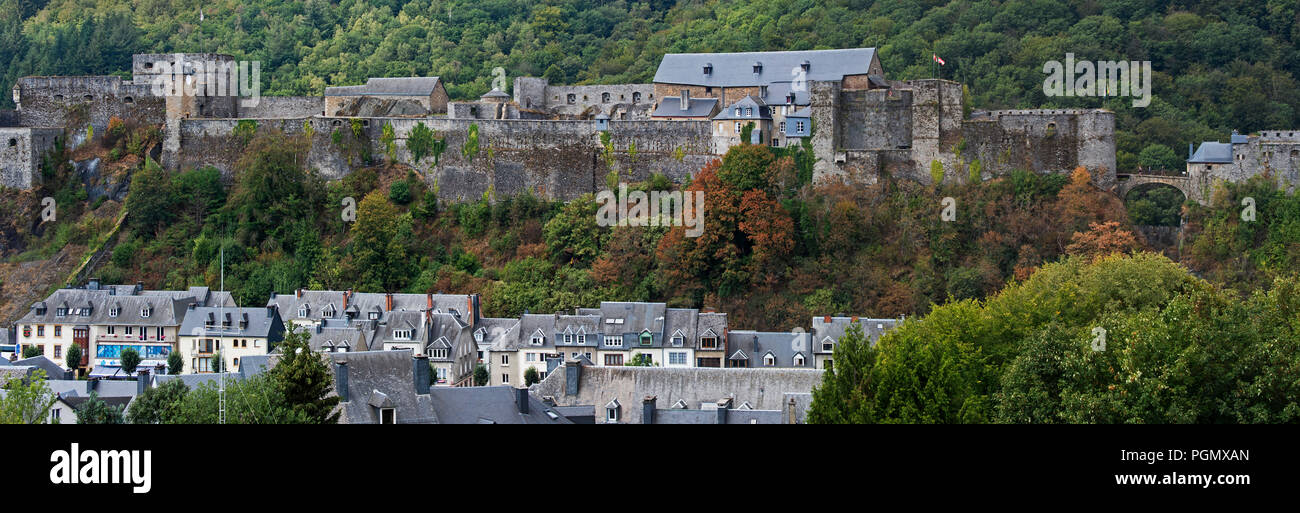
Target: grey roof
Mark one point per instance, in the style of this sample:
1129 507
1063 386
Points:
833 328
1212 153
78 401
194 380
495 93
751 108
52 369
1238 138
400 86
716 322
683 321
81 387
778 91
736 69
805 112
403 321
233 322
782 346
253 365
671 106
16 371
389 373
335 334
361 304
495 405
166 307
764 389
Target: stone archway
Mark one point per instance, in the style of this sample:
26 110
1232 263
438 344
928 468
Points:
1126 183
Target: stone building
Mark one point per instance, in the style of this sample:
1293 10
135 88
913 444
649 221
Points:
388 97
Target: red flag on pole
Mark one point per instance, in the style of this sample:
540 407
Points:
937 59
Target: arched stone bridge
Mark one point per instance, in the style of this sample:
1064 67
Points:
1125 183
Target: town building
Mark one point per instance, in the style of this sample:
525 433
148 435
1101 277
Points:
232 333
827 330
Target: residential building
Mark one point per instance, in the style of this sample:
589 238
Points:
761 349
729 125
103 320
827 330
685 108
383 387
492 405
732 76
235 333
614 395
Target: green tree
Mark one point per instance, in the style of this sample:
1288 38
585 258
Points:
175 364
640 360
470 148
74 357
575 234
389 139
31 351
481 376
304 379
843 396
400 192
158 405
217 363
26 400
130 358
96 411
1158 157
531 376
150 198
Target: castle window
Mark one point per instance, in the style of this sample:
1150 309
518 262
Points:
806 66
365 122
604 97
584 98
129 100
636 97
87 97
337 122
13 142
572 98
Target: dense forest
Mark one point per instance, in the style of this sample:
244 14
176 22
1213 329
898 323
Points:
1219 65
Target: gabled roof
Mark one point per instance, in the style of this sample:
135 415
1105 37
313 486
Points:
736 69
671 107
490 405
403 86
381 377
1212 153
751 108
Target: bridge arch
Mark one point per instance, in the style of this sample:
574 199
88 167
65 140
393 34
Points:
1127 183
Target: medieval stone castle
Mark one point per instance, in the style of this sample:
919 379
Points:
546 138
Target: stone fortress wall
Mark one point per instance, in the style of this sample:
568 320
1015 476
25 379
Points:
859 135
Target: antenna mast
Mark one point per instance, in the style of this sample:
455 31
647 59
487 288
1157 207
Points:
221 338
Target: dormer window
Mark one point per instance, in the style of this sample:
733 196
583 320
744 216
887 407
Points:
806 66
438 353
303 311
402 334
387 415
146 312
329 311
614 340
737 111
60 311
478 335
612 411
828 345
538 339
646 338
769 360
708 69
374 316
758 68
749 111
113 312
568 338
798 360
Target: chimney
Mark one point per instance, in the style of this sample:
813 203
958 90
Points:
92 384
853 319
790 415
1189 151
346 296
298 293
572 374
723 405
521 399
341 380
827 319
430 298
648 409
686 99
139 287
320 326
141 382
388 302
420 366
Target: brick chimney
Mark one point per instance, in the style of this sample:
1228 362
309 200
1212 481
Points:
347 295
388 302
648 409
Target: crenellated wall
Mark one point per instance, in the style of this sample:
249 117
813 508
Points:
556 159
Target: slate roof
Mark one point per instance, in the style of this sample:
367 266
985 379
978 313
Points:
736 69
52 369
1238 138
385 375
751 108
194 380
167 307
78 401
805 112
763 388
671 107
782 346
494 405
871 328
403 321
400 86
712 321
683 321
335 334
777 91
1212 153
81 387
233 322
361 304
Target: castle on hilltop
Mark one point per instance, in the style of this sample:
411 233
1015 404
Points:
562 141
